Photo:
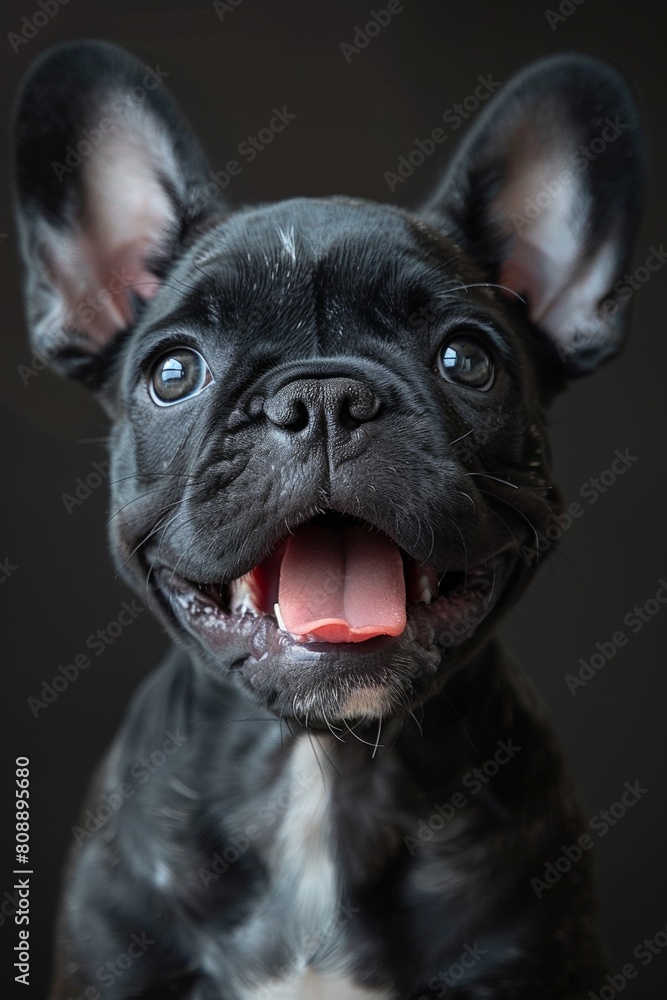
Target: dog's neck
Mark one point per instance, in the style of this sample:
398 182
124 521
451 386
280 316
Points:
386 762
325 815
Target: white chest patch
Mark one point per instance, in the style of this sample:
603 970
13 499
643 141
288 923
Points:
312 985
302 859
305 907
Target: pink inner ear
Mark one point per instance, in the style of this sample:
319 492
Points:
510 279
96 291
126 219
128 273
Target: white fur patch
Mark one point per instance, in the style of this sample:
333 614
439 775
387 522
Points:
366 703
312 985
287 240
306 906
302 857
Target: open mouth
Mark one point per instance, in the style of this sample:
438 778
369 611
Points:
337 582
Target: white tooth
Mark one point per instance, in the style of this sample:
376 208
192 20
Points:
283 627
426 594
279 617
240 598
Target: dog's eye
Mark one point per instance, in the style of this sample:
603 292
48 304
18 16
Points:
178 375
464 360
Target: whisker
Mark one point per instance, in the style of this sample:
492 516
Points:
317 759
488 284
164 284
487 476
151 475
189 549
520 513
323 749
360 738
410 712
331 727
502 519
462 723
136 499
148 536
456 440
377 739
468 497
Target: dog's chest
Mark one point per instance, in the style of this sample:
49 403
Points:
312 985
303 919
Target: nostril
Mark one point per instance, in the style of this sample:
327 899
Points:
299 416
358 405
290 413
346 419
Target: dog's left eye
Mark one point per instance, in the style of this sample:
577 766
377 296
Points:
464 360
178 375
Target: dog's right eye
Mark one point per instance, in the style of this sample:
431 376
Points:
464 360
178 375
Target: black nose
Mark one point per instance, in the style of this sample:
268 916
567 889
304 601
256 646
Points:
309 402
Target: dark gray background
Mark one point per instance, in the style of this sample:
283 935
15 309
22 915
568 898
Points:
353 121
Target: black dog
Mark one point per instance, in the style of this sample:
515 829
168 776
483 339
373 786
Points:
330 477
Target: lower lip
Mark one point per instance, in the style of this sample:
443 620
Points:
447 621
319 684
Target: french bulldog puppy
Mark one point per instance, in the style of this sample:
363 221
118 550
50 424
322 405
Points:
330 478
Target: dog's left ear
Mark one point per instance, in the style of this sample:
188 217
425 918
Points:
110 186
545 195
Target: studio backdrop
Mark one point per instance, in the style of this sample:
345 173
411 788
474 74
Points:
370 101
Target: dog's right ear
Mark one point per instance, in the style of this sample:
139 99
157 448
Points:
545 194
109 185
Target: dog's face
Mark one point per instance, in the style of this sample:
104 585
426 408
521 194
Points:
296 412
329 460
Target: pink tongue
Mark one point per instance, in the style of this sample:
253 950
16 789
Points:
342 586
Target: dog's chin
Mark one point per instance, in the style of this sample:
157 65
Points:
237 631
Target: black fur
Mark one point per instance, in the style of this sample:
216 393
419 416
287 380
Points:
321 323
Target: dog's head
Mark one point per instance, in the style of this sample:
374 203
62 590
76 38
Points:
329 458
